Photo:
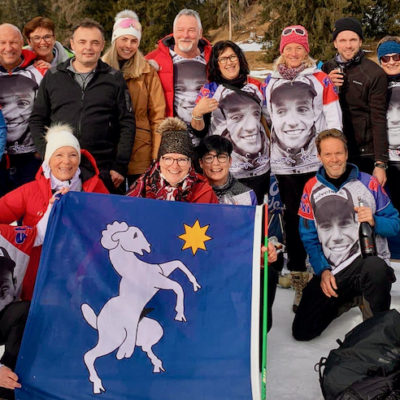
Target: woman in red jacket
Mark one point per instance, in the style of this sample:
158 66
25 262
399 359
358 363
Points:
172 177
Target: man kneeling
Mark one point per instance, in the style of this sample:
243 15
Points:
329 219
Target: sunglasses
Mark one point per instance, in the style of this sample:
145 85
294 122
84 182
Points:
394 57
297 31
127 23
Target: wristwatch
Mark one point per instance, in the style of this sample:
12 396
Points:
380 164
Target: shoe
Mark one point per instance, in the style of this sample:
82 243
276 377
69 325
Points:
299 282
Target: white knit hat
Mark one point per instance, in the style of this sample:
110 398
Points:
60 135
126 23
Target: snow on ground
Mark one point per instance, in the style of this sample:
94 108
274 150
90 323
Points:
290 367
260 73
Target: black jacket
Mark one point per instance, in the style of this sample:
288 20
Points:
101 114
363 100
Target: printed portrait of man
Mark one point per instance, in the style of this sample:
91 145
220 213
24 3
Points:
393 118
337 226
189 77
17 94
7 279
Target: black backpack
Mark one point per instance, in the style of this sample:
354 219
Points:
371 349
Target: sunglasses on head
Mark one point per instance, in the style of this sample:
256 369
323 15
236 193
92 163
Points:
126 23
394 57
297 31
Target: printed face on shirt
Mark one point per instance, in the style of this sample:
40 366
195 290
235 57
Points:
243 117
16 101
64 163
10 47
348 44
42 41
337 228
292 115
7 281
393 118
187 34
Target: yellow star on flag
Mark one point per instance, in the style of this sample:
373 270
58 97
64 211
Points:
194 237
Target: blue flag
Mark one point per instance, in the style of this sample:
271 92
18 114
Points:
144 299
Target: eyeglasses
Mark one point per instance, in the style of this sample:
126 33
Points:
182 162
38 39
394 57
209 158
297 31
231 58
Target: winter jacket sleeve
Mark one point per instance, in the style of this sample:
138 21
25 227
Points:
203 193
40 117
331 105
126 122
13 205
3 135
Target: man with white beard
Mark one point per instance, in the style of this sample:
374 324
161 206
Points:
182 58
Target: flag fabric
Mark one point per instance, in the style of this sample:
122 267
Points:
144 299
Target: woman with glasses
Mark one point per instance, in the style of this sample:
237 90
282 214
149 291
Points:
144 87
389 58
230 105
39 33
172 176
299 102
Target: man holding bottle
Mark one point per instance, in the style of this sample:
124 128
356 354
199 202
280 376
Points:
330 214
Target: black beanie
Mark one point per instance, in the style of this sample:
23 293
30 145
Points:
347 24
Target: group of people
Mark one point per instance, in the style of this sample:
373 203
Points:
187 123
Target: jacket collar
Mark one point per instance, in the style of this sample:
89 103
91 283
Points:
321 176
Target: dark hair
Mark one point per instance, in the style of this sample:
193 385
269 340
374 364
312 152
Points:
213 71
88 23
288 88
330 133
215 143
38 22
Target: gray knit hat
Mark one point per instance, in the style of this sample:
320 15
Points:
175 138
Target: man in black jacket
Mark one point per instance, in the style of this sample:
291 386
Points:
93 98
362 87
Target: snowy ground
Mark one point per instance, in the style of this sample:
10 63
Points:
291 372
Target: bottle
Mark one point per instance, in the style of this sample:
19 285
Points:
367 237
340 70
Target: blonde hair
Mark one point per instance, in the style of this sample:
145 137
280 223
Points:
308 62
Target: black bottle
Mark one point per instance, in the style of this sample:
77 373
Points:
367 237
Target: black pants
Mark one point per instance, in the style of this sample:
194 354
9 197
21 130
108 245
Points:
370 277
290 189
12 324
259 184
393 183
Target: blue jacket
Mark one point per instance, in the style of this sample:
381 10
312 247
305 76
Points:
315 200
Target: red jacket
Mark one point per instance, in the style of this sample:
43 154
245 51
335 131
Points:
166 71
30 202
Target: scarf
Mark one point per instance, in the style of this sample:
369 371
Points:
152 185
346 64
290 73
239 81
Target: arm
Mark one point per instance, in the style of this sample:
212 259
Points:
331 106
387 221
156 110
13 206
3 135
127 129
40 117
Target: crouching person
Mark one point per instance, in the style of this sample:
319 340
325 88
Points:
329 222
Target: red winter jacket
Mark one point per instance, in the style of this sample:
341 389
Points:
30 202
166 71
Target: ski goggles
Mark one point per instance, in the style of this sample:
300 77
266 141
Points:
297 31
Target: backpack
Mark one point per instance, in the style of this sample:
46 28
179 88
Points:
371 349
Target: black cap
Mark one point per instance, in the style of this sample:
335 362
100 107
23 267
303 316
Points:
347 24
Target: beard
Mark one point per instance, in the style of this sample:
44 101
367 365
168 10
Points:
186 46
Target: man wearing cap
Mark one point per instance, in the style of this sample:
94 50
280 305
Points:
362 87
182 58
330 213
93 98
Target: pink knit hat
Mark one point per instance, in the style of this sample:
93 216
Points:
294 34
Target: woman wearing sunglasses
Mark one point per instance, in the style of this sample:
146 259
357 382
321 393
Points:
172 177
144 87
230 105
300 101
389 59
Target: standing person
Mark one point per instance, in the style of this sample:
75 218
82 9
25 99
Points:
182 57
230 105
40 34
389 58
93 98
19 82
144 87
329 220
172 177
300 102
362 89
